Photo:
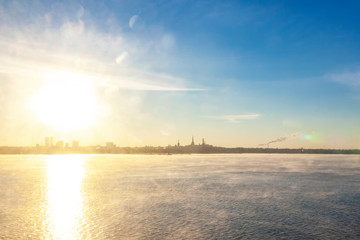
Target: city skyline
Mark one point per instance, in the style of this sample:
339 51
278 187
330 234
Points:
51 141
62 146
238 73
54 144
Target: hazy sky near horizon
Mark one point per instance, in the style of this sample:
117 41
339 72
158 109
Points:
237 73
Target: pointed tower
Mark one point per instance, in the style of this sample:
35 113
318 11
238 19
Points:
192 141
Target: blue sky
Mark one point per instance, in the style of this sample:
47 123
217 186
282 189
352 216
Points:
238 73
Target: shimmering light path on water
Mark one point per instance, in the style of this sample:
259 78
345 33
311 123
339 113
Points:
180 197
64 196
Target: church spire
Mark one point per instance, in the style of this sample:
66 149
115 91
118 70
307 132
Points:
192 141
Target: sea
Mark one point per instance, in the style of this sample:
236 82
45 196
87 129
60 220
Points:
225 196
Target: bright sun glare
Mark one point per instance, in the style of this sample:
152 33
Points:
65 200
66 101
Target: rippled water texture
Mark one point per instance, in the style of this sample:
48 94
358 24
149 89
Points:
180 197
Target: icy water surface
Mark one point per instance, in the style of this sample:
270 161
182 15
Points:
243 196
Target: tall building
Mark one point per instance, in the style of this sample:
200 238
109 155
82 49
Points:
192 141
47 141
60 144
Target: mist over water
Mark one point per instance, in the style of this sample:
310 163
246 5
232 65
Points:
244 196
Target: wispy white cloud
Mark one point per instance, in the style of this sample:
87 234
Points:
349 78
78 45
235 118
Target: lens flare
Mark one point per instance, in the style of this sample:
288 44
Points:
312 137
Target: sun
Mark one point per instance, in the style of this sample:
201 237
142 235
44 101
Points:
66 101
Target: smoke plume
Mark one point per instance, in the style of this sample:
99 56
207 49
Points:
281 139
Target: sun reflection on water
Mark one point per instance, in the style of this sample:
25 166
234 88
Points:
64 196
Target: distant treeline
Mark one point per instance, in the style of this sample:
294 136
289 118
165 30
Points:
196 149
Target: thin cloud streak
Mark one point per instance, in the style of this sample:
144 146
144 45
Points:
235 118
349 78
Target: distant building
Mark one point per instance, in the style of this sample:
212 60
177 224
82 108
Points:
75 144
110 145
203 142
192 141
47 142
60 144
51 141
